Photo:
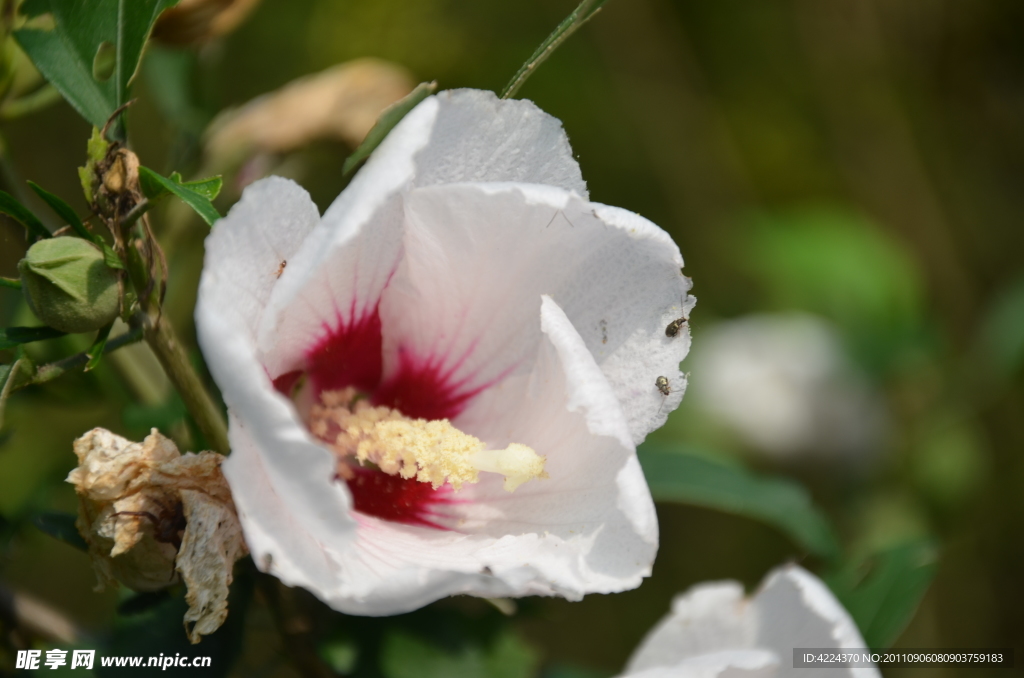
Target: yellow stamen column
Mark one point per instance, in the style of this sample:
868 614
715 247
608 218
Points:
434 452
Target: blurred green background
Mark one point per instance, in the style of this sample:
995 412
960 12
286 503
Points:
860 161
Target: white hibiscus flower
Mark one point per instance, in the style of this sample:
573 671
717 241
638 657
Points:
713 631
461 322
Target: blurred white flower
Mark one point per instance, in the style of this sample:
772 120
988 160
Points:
461 323
784 384
713 630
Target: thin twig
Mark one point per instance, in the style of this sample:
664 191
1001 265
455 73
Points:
113 116
51 371
581 15
135 213
161 258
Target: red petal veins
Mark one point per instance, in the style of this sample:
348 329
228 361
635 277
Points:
424 389
400 500
348 355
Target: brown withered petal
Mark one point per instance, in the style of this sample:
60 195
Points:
342 102
197 21
152 516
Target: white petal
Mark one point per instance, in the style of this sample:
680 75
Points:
795 609
792 609
245 250
725 664
274 459
590 527
596 491
479 137
478 258
708 618
460 135
274 530
649 352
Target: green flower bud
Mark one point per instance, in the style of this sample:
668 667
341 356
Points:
68 286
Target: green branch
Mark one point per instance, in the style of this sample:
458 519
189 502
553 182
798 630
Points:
172 356
164 342
583 13
51 371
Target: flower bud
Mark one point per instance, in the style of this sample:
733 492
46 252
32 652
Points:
68 285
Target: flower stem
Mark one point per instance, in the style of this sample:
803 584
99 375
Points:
165 344
136 213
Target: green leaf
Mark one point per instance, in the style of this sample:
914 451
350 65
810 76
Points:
65 212
196 194
110 257
95 352
579 16
406 656
10 283
391 116
16 211
208 188
16 336
71 55
882 592
60 526
686 478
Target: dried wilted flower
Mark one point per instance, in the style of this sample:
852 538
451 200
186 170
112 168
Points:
342 102
152 516
198 21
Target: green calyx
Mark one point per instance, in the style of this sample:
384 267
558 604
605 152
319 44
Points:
68 286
